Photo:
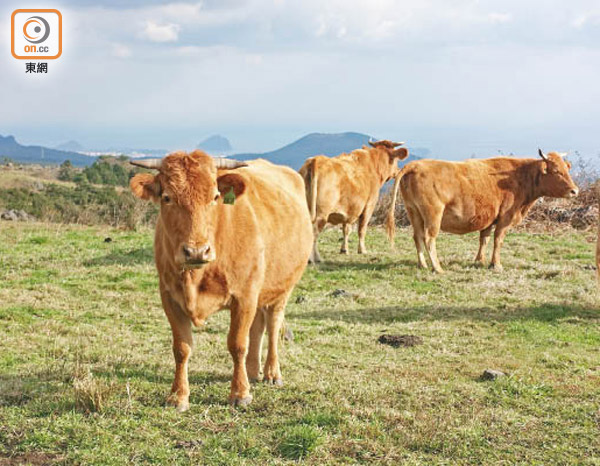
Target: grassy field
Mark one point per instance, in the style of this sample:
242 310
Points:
86 363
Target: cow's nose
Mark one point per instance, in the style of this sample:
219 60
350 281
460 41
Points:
574 192
202 254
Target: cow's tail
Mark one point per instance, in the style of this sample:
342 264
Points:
390 221
311 188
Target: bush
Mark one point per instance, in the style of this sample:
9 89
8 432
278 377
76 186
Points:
112 172
85 204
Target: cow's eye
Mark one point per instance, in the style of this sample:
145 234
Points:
217 196
166 199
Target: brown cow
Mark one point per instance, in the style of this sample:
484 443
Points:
476 195
245 257
344 189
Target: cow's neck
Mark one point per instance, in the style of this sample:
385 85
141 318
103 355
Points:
533 177
378 161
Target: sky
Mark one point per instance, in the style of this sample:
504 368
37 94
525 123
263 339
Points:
460 77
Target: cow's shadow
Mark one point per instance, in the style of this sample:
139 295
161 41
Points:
550 312
51 394
333 266
143 255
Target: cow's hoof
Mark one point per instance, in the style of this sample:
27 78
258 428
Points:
276 382
343 251
253 379
496 267
179 405
240 402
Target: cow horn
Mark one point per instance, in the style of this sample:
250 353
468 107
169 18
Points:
372 142
396 144
542 155
228 163
147 163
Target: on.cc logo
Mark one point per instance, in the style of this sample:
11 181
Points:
36 30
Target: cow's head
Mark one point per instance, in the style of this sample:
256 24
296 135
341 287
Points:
188 189
555 180
394 153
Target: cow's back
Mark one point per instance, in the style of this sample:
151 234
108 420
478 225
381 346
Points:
343 186
275 195
471 192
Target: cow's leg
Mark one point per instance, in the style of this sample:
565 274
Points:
181 327
272 372
418 235
318 226
346 233
254 352
484 238
499 234
363 222
242 317
432 223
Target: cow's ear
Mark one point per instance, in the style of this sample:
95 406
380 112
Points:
231 181
400 153
145 186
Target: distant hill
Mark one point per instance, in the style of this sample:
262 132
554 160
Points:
9 147
329 144
215 143
70 146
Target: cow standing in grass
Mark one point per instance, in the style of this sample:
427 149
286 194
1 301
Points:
476 195
246 257
344 189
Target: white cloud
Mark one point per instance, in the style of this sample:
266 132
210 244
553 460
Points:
161 32
121 51
253 59
499 17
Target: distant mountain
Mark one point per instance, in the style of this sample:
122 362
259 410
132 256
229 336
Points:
70 146
9 147
215 143
329 144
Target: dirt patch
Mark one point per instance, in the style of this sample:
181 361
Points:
400 340
32 458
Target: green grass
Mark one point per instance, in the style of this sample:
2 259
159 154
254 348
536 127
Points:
86 363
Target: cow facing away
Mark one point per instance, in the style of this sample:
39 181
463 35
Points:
476 195
245 257
344 189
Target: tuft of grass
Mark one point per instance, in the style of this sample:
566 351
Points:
91 394
298 442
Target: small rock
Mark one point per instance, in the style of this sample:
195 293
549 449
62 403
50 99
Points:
288 335
37 185
340 294
108 239
300 299
492 374
400 340
9 215
188 444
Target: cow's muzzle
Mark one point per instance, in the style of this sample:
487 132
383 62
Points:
197 257
573 193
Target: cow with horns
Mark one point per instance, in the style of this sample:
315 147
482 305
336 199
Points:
476 195
210 255
344 189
